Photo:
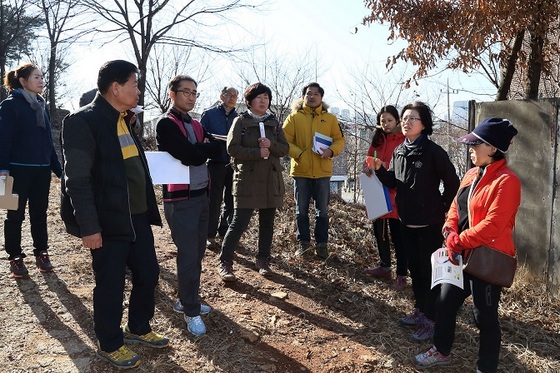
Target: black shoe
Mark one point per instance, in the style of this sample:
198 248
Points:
263 266
321 250
225 271
17 267
304 250
43 262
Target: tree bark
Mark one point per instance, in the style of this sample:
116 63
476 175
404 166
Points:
534 66
509 70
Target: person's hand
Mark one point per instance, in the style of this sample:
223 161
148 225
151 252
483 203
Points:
265 153
264 142
93 241
451 255
377 163
453 247
366 170
452 242
327 153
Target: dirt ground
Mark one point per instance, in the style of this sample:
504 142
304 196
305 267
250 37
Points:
333 318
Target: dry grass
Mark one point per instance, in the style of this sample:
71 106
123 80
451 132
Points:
334 319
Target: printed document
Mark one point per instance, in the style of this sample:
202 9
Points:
443 271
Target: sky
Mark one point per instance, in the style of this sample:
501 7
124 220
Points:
327 28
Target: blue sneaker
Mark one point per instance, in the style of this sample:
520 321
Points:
204 309
195 325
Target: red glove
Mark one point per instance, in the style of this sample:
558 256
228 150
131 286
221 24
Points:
453 247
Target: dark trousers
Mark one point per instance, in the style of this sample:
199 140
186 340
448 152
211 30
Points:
188 221
320 190
221 179
109 264
241 219
31 183
419 244
486 298
381 229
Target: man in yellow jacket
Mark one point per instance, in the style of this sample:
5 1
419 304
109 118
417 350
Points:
315 137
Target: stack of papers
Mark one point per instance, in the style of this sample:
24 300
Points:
321 142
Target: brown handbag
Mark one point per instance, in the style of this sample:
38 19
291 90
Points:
492 266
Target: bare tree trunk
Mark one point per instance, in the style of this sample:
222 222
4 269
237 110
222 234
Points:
535 65
507 75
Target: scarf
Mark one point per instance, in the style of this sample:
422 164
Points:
410 146
257 117
36 104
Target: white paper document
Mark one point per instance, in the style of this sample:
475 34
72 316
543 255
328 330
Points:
321 142
376 196
165 169
443 271
219 137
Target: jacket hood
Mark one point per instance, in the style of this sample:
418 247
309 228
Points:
298 105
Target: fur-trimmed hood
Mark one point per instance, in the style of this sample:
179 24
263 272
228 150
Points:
298 105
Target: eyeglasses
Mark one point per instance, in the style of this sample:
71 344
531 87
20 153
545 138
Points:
410 119
230 95
188 93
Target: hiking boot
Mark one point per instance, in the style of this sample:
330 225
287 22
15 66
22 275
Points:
195 325
123 358
226 271
263 266
416 318
18 268
321 250
425 332
151 339
304 250
379 272
400 283
43 262
178 307
430 358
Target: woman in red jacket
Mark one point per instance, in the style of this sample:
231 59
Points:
482 213
386 137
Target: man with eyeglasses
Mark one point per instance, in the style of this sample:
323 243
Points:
217 121
312 165
186 205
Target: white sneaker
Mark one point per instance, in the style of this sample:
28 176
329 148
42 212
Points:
195 325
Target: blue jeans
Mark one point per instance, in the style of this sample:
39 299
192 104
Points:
486 298
320 190
188 221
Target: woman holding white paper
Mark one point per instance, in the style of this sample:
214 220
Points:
386 137
256 143
482 213
418 167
